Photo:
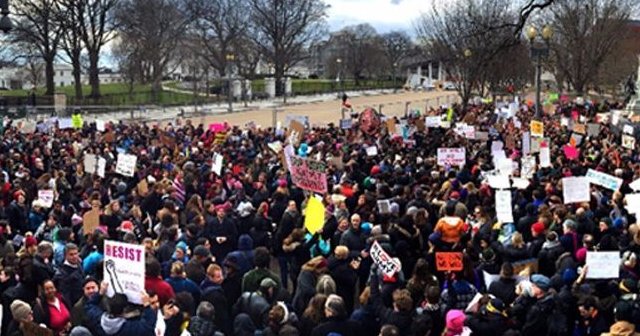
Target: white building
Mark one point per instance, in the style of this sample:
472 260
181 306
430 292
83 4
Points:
23 78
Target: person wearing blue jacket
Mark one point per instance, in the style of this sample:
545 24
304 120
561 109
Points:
114 321
91 262
180 283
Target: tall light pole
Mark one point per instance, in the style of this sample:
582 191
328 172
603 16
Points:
339 79
230 58
539 52
395 66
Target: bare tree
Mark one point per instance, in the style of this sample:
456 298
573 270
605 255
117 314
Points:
37 24
154 30
71 43
97 25
216 25
284 29
360 48
467 35
397 47
586 33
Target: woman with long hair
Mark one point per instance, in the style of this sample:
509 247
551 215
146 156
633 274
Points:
313 315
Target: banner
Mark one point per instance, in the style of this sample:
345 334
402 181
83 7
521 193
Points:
537 129
604 180
633 203
575 190
124 269
593 129
449 261
503 206
345 123
389 266
528 167
126 164
314 215
603 265
451 156
308 174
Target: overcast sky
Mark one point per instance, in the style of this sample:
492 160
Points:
384 15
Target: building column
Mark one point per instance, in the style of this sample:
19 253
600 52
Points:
430 73
440 71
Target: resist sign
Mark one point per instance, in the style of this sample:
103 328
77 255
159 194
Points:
124 269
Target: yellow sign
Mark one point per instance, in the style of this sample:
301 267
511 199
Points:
76 120
314 215
537 128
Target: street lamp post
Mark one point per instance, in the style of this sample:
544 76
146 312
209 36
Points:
230 58
395 66
539 52
339 79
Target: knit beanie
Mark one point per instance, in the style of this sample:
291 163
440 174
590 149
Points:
455 321
20 310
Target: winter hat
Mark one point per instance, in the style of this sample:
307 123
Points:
126 226
496 306
581 255
20 310
455 321
454 195
182 246
30 241
569 276
201 251
541 281
375 170
538 228
607 221
618 223
76 219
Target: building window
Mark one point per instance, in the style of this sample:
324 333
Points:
61 83
61 73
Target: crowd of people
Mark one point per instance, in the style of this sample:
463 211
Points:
229 253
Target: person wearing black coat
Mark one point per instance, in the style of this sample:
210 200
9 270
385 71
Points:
401 315
524 224
43 270
70 276
549 254
337 320
213 292
290 220
505 287
343 272
222 233
491 320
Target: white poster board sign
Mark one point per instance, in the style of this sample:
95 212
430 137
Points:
433 122
389 266
635 185
503 206
575 190
217 163
633 203
545 157
499 181
604 180
528 167
46 196
126 164
372 151
603 265
451 156
124 269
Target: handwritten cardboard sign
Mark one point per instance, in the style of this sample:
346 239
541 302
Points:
449 261
308 174
389 266
451 156
580 128
90 221
537 129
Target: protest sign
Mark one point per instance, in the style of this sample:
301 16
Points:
505 166
604 180
627 129
76 121
528 167
580 128
496 145
124 269
503 206
633 203
220 138
275 146
545 157
384 206
308 174
64 123
369 121
314 215
303 120
603 265
482 136
628 141
564 121
372 150
635 185
451 156
526 143
391 126
575 190
593 129
449 261
521 183
217 127
216 167
445 124
576 139
389 266
537 129
46 196
126 164
571 152
90 221
90 163
102 165
433 122
535 144
346 123
100 125
528 265
467 131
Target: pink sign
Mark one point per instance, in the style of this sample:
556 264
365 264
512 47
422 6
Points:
571 152
217 127
308 174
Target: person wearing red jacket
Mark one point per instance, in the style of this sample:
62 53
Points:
153 282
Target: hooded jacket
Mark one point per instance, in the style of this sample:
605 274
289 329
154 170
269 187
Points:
244 253
120 326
